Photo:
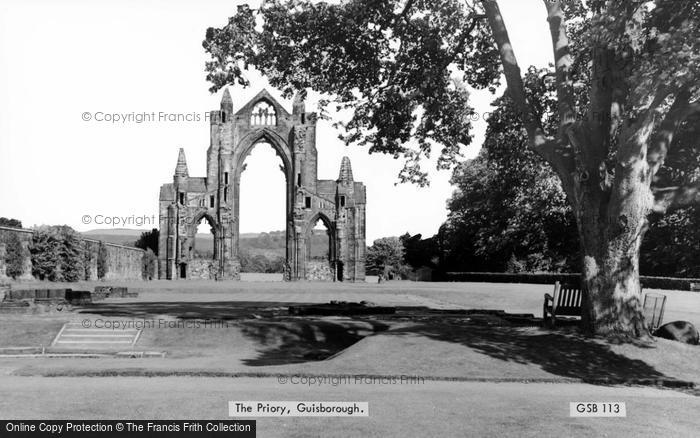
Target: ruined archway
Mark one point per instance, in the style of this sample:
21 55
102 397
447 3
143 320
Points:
339 203
202 262
320 260
262 192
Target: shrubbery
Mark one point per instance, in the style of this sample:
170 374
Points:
9 222
261 263
386 257
14 257
57 254
148 240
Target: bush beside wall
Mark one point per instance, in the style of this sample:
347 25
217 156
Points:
61 254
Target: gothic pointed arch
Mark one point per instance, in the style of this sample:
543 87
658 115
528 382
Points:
314 220
265 135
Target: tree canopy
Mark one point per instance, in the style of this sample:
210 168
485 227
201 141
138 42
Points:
9 222
385 257
509 212
391 62
148 240
625 81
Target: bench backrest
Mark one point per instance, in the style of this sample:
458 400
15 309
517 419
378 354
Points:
653 309
567 299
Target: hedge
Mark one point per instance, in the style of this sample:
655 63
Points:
669 283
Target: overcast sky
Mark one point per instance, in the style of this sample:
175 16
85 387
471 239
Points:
60 59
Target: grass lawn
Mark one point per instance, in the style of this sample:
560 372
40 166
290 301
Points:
511 297
29 330
232 340
251 334
432 409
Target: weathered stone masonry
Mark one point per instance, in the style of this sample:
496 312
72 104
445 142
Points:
123 262
340 204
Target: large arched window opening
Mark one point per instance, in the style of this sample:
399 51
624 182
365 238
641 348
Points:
262 215
204 241
201 258
319 242
319 252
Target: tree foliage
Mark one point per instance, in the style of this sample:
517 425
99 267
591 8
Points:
509 212
672 245
385 257
419 252
9 222
389 61
261 263
57 254
102 261
626 78
148 240
15 255
71 256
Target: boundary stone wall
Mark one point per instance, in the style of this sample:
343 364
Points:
123 262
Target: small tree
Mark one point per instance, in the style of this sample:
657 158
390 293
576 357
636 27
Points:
385 256
14 256
102 261
71 255
149 240
44 252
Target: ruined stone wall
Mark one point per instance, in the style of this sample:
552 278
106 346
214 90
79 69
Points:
123 262
202 269
317 270
187 200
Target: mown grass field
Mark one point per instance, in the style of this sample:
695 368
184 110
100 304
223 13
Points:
477 378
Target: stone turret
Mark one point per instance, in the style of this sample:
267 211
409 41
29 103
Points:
345 184
299 107
226 106
345 175
181 173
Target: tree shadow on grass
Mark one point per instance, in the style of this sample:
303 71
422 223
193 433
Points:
209 310
297 340
563 354
281 339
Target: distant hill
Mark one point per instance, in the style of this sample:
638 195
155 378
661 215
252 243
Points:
120 236
270 244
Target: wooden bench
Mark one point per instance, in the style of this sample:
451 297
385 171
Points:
653 310
566 301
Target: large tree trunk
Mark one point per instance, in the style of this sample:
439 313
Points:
610 275
611 208
612 220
